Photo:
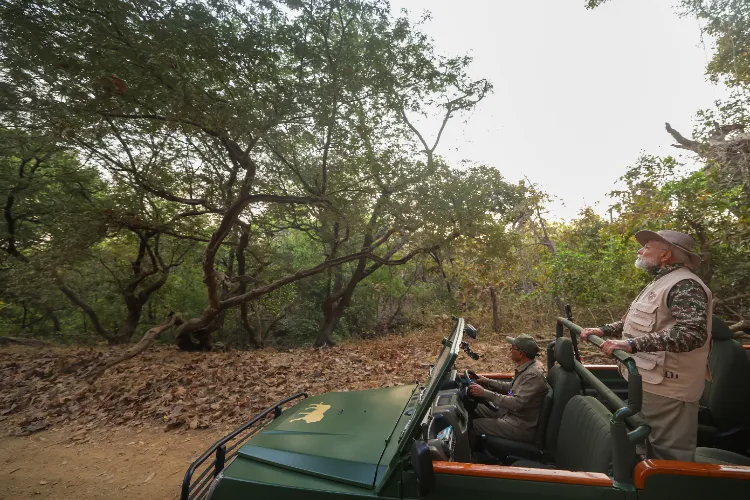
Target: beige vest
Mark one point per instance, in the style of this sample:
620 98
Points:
677 375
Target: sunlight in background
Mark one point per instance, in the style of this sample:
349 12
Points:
578 94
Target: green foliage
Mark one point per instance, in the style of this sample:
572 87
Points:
729 22
162 156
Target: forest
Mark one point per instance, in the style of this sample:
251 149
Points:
237 174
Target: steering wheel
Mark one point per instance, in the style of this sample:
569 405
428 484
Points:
469 401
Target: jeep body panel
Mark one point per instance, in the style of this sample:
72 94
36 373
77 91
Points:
339 436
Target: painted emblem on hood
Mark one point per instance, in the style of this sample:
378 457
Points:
313 413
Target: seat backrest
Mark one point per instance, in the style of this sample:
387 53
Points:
728 394
565 384
585 440
541 426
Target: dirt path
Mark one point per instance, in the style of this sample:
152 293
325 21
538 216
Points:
123 463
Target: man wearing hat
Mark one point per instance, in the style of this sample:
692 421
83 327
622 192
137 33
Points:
667 329
518 403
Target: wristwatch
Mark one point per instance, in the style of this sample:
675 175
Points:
633 350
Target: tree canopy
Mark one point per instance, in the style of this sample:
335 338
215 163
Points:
258 172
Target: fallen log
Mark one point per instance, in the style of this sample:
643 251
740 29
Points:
147 341
745 323
23 341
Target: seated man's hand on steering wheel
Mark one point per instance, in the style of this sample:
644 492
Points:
591 331
476 391
472 377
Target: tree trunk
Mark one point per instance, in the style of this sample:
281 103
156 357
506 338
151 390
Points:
55 321
495 312
436 257
333 309
334 306
195 334
255 335
129 326
705 271
325 333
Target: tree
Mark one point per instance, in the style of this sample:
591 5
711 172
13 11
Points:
51 212
658 194
62 226
226 109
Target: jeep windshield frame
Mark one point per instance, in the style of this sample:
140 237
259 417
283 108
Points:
444 364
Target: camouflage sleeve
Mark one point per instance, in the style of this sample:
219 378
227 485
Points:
612 329
689 305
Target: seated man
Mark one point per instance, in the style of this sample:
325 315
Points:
517 403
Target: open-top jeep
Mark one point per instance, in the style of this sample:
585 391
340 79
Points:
412 442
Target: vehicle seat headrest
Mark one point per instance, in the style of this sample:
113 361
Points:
719 329
564 353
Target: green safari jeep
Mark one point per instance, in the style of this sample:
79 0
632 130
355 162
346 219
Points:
412 442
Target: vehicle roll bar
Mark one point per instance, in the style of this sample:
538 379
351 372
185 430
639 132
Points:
622 440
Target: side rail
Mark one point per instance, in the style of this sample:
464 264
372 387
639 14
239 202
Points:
224 450
635 385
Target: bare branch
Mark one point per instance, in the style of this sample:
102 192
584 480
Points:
683 143
74 298
252 294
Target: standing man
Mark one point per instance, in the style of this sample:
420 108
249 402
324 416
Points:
518 402
667 329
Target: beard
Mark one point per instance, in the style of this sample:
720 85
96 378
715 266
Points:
644 265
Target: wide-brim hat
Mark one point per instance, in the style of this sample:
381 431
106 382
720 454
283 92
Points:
682 245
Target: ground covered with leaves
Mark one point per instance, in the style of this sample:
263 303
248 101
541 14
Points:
43 388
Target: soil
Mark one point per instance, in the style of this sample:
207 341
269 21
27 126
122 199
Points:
116 463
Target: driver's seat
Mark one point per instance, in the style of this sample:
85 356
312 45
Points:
498 447
564 383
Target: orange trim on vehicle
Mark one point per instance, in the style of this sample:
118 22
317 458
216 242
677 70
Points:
649 468
523 473
503 376
600 368
495 376
746 346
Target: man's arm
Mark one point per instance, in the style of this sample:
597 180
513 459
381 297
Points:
612 329
688 304
608 330
525 389
498 386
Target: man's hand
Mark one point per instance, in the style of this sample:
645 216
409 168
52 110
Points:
477 392
483 381
610 345
591 331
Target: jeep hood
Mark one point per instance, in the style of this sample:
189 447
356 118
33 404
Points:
340 436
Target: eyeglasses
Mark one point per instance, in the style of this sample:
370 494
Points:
514 348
